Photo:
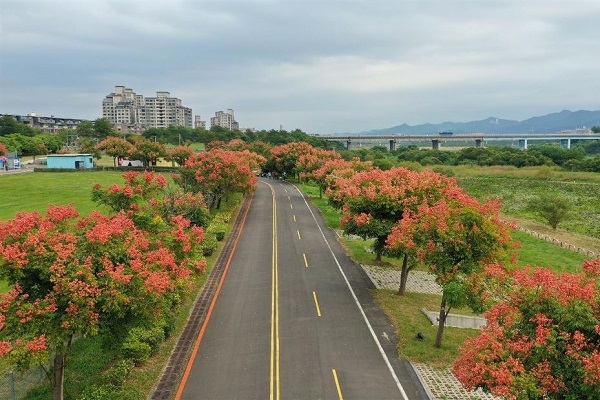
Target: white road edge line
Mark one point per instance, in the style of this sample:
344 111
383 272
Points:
375 338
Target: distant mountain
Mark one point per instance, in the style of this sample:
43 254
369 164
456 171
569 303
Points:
551 123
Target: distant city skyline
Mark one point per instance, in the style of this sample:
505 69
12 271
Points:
323 67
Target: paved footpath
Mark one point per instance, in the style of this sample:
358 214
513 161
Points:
440 383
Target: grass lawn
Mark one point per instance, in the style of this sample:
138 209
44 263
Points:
34 191
541 253
405 313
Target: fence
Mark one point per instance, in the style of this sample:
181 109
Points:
14 385
558 242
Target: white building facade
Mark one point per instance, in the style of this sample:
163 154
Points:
225 119
199 122
131 112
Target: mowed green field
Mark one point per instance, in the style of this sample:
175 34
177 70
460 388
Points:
34 191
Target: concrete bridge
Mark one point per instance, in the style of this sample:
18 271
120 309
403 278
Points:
478 139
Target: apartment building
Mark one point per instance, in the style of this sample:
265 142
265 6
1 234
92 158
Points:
199 122
131 112
49 124
225 119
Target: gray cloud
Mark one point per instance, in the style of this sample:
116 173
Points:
321 66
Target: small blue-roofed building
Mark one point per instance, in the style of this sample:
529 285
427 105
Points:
70 161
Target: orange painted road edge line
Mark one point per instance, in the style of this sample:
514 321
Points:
188 368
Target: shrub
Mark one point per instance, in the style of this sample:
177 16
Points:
98 392
103 392
218 229
209 244
118 373
141 343
138 352
444 171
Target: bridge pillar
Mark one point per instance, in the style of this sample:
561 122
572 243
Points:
392 144
565 143
348 143
523 144
478 143
435 144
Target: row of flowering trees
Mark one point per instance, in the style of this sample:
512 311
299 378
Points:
144 150
419 217
542 338
79 276
113 274
76 276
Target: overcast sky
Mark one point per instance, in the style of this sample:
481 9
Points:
320 66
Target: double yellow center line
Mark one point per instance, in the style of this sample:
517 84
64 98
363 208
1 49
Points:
274 388
274 391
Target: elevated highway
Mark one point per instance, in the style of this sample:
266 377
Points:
478 139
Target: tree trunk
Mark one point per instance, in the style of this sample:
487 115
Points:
379 246
59 374
403 275
441 323
378 256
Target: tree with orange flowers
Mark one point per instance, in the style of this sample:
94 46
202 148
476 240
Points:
328 174
147 151
456 237
3 151
308 164
373 201
116 148
542 341
179 154
284 158
219 173
72 277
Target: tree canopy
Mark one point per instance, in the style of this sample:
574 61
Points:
542 341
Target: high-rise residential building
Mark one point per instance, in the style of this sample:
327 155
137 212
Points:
224 119
128 111
199 122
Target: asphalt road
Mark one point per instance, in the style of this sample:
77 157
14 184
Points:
293 318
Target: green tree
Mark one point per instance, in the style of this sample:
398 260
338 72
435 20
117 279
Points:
52 142
86 129
553 209
8 125
103 129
